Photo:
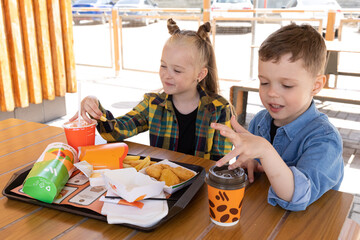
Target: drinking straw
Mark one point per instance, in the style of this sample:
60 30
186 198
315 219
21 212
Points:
79 102
160 199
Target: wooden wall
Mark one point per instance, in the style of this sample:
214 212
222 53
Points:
36 52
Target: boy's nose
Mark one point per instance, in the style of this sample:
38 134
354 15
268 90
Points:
272 92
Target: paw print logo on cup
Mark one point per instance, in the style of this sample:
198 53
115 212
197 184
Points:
226 189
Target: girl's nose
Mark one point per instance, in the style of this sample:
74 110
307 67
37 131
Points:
166 73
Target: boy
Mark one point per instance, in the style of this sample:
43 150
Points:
294 144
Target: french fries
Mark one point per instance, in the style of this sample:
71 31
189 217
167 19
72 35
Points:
145 162
128 159
136 162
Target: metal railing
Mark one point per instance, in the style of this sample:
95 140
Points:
116 20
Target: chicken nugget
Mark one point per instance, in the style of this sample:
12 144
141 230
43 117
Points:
154 171
169 177
165 166
182 173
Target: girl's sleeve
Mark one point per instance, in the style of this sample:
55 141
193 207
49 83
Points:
128 125
221 145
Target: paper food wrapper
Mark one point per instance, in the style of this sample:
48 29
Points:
106 156
150 214
132 185
174 188
85 167
96 178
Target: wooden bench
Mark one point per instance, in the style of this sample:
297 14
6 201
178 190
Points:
239 97
332 58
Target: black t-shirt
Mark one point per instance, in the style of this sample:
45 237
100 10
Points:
186 124
273 129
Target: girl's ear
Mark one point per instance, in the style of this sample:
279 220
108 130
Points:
202 74
318 84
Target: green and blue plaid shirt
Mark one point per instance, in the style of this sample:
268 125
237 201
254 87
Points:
156 114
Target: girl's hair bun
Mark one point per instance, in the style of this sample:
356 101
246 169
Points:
172 26
204 30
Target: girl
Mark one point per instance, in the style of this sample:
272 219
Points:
178 118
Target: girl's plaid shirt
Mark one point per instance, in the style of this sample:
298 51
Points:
156 114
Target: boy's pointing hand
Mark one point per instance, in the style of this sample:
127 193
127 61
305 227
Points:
246 145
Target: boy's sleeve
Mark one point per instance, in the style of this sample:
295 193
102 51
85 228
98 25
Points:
221 145
301 197
130 124
319 169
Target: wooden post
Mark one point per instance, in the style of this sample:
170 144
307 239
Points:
31 52
57 49
206 11
6 90
121 42
68 40
213 32
44 49
116 40
17 65
330 32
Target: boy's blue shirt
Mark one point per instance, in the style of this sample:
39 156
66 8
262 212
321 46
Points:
312 147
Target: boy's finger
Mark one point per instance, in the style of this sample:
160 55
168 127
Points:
236 164
226 158
250 171
219 126
237 127
260 168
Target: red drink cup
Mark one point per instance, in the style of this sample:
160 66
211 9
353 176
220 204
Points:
83 135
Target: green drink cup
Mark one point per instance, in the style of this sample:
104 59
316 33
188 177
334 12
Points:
50 172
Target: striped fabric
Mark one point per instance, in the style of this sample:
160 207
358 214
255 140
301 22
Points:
156 114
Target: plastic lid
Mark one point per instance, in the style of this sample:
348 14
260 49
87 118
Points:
223 178
75 124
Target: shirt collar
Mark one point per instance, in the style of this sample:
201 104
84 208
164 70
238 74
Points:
206 101
293 128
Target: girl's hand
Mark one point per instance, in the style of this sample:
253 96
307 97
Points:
90 105
247 146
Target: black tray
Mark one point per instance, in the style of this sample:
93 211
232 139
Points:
183 196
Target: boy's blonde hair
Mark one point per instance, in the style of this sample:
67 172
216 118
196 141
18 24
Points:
199 40
303 42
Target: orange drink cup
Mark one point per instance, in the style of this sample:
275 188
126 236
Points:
226 189
80 135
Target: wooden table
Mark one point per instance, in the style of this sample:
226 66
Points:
22 143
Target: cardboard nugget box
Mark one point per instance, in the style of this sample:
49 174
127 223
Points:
174 188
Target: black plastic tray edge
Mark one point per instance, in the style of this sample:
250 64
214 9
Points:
180 204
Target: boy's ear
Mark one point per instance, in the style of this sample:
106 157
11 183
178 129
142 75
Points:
319 84
202 74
